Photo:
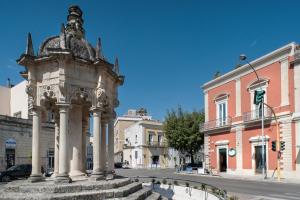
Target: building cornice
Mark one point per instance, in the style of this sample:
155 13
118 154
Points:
274 56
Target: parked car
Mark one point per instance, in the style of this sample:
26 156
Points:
16 172
118 165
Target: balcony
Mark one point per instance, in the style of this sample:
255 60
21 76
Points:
156 144
216 126
253 118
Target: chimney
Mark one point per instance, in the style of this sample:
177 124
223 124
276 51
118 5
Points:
8 83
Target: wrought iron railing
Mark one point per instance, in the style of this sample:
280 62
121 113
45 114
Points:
214 124
207 188
255 115
156 143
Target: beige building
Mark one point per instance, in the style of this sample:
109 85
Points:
123 122
145 145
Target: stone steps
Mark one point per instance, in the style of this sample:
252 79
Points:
139 195
154 196
131 191
68 188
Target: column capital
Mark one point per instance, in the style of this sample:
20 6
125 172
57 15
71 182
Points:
36 110
63 107
96 109
60 105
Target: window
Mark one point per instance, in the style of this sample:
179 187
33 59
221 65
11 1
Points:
221 109
150 138
136 138
159 137
256 110
136 154
50 159
50 116
18 114
222 113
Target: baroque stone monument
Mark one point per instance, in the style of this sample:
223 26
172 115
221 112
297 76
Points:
72 79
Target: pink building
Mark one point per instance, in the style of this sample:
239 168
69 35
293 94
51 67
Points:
233 141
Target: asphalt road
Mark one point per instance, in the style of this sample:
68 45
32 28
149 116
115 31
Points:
245 189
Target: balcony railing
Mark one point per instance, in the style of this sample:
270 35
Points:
256 115
156 144
216 124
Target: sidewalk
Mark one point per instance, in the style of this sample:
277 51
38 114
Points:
243 177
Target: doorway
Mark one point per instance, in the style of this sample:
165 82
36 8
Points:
223 159
10 157
258 159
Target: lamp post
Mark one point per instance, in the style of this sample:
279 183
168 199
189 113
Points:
243 57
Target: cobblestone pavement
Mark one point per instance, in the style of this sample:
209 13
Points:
244 189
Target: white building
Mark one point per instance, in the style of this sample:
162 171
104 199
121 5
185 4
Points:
14 101
146 146
15 129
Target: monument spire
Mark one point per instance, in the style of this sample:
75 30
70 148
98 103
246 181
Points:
62 37
29 48
99 49
75 22
116 66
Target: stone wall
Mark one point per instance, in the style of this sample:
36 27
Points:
20 131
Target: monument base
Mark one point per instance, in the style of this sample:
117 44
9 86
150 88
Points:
110 175
62 179
97 176
119 188
35 178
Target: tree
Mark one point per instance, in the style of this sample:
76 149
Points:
182 131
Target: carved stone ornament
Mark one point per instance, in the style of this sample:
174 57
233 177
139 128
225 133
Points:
31 91
80 93
101 97
116 102
49 91
63 91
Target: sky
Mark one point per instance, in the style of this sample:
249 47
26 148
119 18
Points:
167 49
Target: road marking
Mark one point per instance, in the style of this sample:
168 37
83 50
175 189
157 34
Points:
284 196
274 197
293 194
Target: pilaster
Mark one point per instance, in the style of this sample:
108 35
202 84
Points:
284 78
238 97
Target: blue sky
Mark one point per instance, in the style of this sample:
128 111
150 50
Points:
167 49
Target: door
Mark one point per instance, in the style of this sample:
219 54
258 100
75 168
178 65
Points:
10 158
258 159
223 160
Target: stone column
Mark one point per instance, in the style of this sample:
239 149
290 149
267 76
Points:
97 172
111 163
36 157
84 133
75 147
56 147
63 171
103 146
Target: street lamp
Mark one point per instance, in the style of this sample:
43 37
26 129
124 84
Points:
243 57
